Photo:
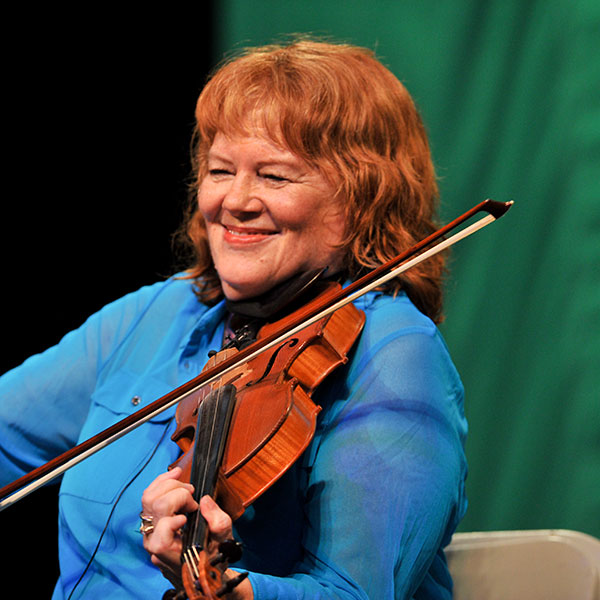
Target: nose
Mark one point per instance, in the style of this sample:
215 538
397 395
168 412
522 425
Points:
241 197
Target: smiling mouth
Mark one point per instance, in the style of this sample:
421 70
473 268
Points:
246 234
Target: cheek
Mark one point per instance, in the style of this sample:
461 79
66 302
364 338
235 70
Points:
335 222
208 211
206 199
329 226
305 213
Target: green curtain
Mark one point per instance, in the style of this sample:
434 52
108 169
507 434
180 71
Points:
510 93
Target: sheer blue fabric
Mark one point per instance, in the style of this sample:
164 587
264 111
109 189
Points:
364 513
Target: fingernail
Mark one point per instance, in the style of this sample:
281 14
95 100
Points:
208 501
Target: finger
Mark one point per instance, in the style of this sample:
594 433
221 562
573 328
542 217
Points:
219 522
150 499
161 485
174 473
165 540
175 501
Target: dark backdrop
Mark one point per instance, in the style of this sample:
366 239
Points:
100 110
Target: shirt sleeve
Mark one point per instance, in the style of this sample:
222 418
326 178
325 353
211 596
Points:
386 484
44 402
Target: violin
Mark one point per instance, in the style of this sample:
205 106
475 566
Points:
286 362
244 431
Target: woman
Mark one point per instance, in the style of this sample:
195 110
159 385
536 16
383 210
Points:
307 156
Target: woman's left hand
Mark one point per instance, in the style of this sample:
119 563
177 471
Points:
164 501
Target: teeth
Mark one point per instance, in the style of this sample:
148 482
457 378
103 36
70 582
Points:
240 232
246 233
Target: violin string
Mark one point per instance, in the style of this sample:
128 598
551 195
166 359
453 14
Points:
191 559
191 564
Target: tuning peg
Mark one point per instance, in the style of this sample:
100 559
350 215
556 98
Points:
230 584
230 551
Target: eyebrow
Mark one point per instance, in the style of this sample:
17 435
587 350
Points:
294 163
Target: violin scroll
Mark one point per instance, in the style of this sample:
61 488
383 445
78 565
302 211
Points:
205 579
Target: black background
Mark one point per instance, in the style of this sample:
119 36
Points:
97 122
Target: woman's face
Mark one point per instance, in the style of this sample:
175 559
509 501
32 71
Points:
268 215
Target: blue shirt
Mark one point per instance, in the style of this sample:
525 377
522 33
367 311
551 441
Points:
364 513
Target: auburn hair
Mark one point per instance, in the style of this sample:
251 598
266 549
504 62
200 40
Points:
339 109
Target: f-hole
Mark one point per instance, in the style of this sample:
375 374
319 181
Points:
290 343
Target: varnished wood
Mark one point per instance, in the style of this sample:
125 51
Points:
274 418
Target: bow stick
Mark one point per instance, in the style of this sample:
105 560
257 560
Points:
421 251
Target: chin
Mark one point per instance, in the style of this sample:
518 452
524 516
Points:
242 291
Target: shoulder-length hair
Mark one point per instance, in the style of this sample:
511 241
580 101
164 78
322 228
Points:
344 113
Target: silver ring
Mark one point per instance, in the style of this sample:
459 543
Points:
147 524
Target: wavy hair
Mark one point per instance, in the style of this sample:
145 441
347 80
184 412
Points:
339 109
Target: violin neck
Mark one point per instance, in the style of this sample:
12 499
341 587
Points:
214 418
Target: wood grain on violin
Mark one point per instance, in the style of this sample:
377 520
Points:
241 433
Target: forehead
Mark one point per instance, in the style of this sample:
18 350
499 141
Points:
255 144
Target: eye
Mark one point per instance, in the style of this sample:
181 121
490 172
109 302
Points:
219 172
273 177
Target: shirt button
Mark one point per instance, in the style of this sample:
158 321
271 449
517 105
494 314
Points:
136 400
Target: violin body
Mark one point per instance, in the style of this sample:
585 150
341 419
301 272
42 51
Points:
274 418
239 435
